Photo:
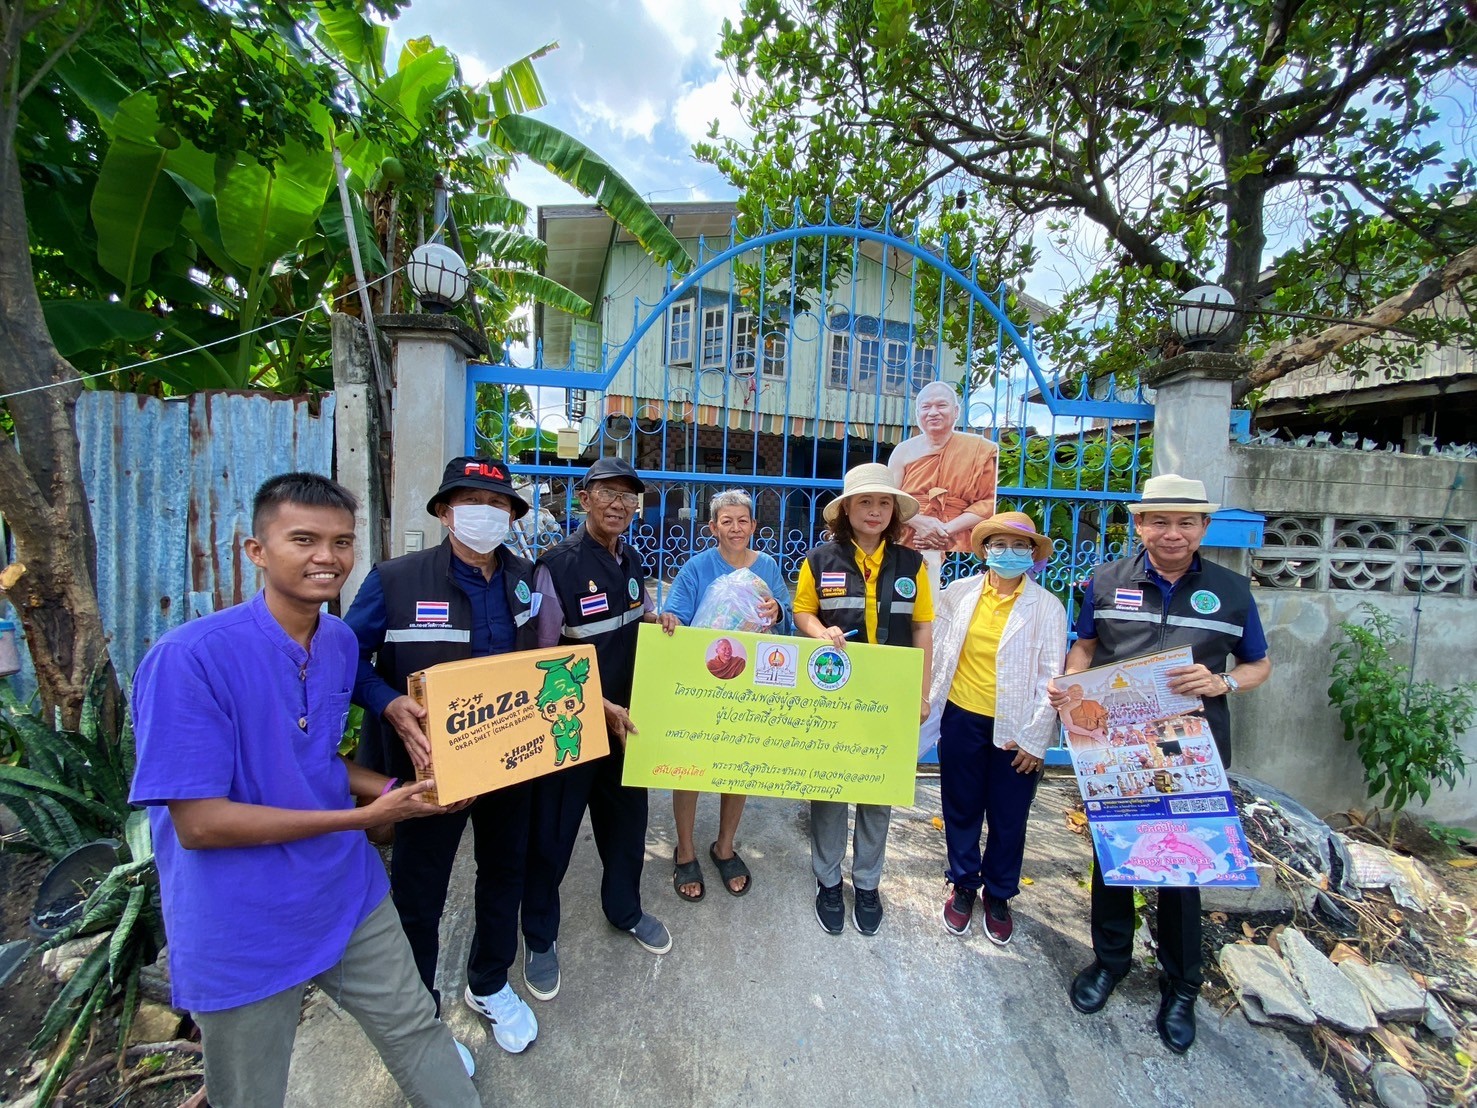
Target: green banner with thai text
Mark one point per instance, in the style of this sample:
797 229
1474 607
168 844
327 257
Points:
769 715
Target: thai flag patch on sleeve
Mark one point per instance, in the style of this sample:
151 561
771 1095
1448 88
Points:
833 580
1130 600
432 611
594 605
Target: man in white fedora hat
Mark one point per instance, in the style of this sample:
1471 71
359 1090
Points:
1166 596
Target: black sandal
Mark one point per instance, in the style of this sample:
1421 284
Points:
688 873
730 868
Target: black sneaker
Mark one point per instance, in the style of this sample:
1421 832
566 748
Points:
829 909
867 915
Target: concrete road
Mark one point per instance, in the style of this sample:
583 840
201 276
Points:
756 1005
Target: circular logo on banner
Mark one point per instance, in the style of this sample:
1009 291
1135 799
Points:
1205 602
522 593
634 589
829 668
906 587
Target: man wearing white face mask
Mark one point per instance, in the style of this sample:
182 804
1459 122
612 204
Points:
999 638
468 597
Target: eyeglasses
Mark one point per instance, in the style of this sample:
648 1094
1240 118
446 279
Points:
605 497
1008 547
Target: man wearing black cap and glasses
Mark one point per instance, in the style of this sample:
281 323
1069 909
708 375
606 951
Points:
593 591
469 597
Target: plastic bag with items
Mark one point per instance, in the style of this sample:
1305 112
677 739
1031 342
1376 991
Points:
732 603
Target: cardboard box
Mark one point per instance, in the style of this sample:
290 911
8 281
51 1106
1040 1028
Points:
508 718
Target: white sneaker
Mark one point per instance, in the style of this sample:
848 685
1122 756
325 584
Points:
514 1025
466 1056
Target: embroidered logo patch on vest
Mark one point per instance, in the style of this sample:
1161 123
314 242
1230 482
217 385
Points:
432 611
1205 602
829 668
522 593
594 605
634 588
905 587
833 580
1128 600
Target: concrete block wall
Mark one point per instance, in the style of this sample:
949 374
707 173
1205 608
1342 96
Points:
1286 732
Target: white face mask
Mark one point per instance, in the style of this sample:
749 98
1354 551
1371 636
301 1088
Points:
479 527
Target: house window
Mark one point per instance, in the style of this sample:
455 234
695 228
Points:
745 344
894 366
868 362
715 337
925 366
776 349
840 361
679 333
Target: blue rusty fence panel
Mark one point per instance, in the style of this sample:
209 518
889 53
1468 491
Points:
169 484
135 453
237 441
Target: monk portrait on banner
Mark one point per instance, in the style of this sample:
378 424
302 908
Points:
724 662
951 473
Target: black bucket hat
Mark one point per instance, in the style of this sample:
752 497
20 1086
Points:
478 473
606 469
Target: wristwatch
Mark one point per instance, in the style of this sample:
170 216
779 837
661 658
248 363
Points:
1232 685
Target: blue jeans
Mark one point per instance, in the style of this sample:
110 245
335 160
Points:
979 787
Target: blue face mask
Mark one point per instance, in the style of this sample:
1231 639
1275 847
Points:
1009 563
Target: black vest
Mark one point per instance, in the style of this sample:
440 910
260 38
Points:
603 600
845 606
412 644
1207 612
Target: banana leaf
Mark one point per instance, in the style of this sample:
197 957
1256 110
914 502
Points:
577 165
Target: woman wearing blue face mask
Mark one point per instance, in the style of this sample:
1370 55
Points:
999 638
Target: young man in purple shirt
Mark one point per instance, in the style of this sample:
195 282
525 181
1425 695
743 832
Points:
268 880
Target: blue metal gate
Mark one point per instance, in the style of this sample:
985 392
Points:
780 361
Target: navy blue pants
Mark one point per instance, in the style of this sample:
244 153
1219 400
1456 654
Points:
979 787
618 819
420 872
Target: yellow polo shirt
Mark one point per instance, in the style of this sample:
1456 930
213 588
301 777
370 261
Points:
807 600
974 684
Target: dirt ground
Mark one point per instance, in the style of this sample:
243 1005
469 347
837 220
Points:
150 1080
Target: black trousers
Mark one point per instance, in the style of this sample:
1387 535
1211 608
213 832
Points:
420 871
1178 932
618 818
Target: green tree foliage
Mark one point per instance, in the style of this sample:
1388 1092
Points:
201 199
1408 732
1293 150
171 218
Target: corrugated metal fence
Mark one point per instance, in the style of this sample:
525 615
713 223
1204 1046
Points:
170 483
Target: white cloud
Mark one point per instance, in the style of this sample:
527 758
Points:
692 24
699 105
635 81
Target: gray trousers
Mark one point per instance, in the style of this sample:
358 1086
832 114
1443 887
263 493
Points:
828 842
248 1049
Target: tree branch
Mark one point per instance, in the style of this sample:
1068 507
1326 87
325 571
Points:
1312 348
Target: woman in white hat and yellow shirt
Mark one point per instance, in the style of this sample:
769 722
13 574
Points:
863 586
1001 639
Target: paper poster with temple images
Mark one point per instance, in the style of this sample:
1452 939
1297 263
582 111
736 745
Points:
1159 806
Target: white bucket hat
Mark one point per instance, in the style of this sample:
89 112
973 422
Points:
873 477
1169 492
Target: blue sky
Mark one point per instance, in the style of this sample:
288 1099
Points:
636 80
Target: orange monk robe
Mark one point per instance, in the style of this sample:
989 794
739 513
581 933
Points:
956 479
